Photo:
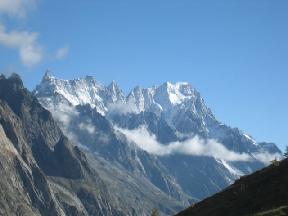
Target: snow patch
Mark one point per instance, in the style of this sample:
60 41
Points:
230 168
248 137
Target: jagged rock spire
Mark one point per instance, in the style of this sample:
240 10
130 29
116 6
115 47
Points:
47 75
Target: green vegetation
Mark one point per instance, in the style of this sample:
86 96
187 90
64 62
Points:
281 211
275 162
155 212
286 152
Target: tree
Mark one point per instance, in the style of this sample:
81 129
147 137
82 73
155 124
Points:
286 152
155 212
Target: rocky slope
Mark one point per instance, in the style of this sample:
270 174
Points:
42 173
264 192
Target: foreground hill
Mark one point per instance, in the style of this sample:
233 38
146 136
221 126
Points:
264 192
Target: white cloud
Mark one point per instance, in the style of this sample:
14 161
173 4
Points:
30 51
88 127
16 8
62 53
119 107
16 39
31 55
266 157
61 112
193 146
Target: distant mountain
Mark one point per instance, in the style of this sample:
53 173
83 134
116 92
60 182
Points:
264 192
81 92
164 135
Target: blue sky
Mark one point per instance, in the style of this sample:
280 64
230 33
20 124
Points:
234 52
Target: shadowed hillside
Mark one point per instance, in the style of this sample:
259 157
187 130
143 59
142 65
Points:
264 192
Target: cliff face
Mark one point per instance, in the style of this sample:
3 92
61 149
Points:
264 192
42 173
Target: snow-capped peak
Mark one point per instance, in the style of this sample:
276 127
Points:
87 90
115 93
177 92
78 91
179 104
47 76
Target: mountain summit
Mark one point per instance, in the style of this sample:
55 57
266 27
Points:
88 91
81 91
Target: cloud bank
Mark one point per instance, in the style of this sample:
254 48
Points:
88 126
30 51
26 43
194 146
16 8
64 114
119 107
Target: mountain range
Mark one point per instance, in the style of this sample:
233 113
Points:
77 147
165 135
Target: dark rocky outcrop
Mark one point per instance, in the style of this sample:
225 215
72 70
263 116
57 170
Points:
42 172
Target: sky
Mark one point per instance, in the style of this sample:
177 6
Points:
235 52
